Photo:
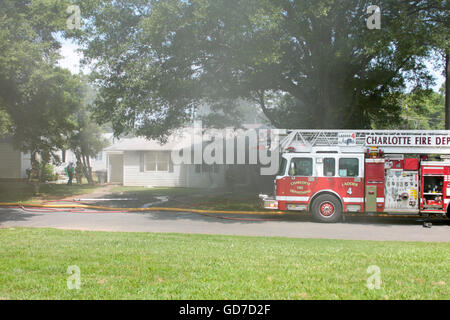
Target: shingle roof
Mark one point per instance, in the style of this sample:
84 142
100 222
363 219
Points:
180 139
176 141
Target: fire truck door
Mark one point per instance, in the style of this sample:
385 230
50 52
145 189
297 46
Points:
371 198
402 186
374 176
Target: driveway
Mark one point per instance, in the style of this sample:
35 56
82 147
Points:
295 226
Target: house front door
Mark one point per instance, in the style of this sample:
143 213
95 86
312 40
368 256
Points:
116 168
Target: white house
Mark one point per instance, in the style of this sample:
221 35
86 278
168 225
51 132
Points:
99 163
13 163
141 162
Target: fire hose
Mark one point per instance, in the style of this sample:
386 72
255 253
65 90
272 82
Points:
73 206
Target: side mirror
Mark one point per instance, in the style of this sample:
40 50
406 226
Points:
292 169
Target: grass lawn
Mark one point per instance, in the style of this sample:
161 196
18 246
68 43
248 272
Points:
34 264
23 192
195 198
156 191
229 201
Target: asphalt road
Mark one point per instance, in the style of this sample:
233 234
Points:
296 226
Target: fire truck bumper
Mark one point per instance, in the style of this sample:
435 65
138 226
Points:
268 202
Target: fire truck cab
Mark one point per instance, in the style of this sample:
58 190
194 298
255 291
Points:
329 172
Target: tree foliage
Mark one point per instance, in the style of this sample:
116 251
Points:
28 53
306 63
39 102
86 139
27 41
425 109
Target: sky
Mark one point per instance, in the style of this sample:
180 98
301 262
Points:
71 60
70 57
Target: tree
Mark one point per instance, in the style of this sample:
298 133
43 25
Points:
5 122
310 64
447 90
42 119
425 109
27 40
36 98
86 140
437 16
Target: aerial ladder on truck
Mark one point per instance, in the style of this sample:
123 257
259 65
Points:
330 172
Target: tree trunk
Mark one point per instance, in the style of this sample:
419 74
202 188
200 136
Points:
35 175
447 91
80 159
87 169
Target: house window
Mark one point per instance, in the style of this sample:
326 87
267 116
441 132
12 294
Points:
157 161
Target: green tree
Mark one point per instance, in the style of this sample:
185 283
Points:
27 41
86 140
306 63
43 118
36 98
424 110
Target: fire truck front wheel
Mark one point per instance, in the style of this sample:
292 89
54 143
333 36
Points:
326 208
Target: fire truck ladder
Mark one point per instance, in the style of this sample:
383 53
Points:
355 141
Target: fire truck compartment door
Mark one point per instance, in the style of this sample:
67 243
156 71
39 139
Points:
371 198
401 190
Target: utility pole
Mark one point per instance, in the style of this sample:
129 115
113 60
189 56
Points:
447 91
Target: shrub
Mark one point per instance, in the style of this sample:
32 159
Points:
48 173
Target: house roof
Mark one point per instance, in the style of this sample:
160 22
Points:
176 141
180 139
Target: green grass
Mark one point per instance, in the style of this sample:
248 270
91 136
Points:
34 264
156 191
23 192
230 201
196 198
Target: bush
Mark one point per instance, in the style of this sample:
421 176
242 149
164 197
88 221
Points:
48 173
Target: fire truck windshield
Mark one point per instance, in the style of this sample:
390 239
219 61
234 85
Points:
282 170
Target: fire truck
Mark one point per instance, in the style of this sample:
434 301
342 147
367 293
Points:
331 172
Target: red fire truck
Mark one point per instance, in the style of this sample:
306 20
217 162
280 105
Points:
328 172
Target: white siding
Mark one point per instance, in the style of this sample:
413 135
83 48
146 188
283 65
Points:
133 176
10 162
26 164
71 157
99 164
180 175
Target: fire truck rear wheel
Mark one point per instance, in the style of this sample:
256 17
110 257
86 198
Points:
326 208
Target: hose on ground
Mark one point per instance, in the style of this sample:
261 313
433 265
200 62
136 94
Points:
73 206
